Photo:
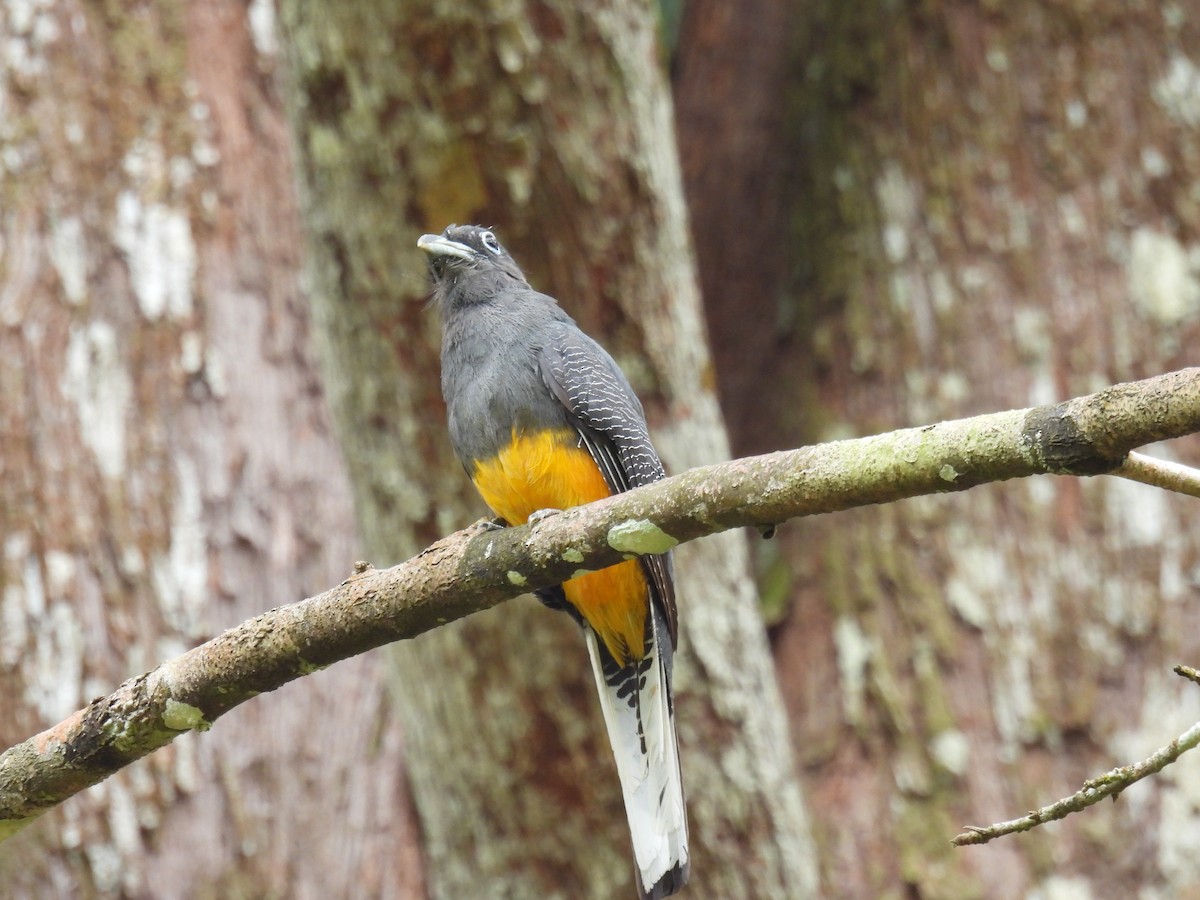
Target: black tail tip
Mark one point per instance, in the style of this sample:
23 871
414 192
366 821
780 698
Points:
672 881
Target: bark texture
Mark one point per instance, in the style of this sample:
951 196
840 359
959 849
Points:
994 205
167 466
554 125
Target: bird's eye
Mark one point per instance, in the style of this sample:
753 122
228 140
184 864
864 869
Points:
489 241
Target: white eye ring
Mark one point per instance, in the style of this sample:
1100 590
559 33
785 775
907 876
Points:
489 241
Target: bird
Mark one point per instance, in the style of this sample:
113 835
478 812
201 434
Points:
542 419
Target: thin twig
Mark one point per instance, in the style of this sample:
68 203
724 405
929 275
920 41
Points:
1093 791
1169 476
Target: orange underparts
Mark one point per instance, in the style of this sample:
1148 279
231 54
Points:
549 470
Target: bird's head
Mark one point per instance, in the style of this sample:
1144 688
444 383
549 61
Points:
468 264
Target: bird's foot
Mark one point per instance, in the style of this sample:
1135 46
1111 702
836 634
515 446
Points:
485 525
541 515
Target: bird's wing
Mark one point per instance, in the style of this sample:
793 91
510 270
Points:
612 426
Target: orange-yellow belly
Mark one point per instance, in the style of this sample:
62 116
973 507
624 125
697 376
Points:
550 471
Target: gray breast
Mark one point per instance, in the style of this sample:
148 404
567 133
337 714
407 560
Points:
490 376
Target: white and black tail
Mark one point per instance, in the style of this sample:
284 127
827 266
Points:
639 713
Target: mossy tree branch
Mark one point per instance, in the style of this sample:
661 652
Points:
478 568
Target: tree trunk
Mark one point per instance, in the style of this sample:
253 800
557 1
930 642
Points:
992 208
553 125
168 463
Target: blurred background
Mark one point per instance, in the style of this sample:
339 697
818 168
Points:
790 222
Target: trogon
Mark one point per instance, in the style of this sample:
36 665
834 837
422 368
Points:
542 418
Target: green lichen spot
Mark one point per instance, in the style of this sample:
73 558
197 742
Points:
572 555
639 536
579 573
184 717
516 578
948 473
